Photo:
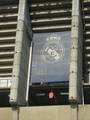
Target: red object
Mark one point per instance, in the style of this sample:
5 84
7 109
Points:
51 95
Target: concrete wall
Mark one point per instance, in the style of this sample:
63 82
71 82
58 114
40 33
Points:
5 114
84 113
47 113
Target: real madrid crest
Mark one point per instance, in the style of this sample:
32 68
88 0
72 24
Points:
53 50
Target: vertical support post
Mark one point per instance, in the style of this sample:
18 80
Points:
75 84
15 113
29 73
89 78
74 112
21 56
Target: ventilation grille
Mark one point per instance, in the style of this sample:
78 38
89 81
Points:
86 18
8 23
50 15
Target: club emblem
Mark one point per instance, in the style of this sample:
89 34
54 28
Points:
53 51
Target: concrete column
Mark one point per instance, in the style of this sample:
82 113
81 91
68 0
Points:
75 90
21 56
15 113
74 112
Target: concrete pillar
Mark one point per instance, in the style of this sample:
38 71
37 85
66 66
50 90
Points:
21 56
15 113
74 112
75 84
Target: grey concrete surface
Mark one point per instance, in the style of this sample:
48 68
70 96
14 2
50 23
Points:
84 112
47 113
5 114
